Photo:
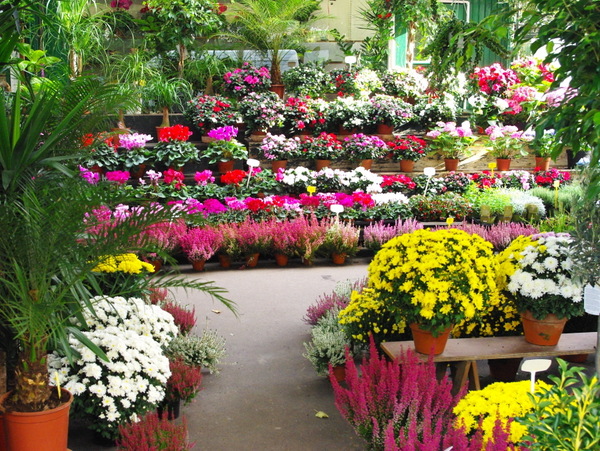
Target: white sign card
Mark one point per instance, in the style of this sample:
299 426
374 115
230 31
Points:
591 299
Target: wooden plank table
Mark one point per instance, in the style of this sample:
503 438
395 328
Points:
467 351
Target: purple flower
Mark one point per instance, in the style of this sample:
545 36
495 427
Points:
134 140
91 177
226 133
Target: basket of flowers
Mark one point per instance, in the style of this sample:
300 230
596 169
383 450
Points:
246 79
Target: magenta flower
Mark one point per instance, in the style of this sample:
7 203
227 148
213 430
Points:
226 133
203 178
89 176
133 140
120 177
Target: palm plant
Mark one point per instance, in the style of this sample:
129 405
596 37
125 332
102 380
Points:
166 93
271 26
48 252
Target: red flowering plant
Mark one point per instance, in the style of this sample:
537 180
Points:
246 79
152 432
235 177
173 149
208 112
344 81
549 178
398 183
184 318
485 179
184 382
300 114
99 152
325 146
409 147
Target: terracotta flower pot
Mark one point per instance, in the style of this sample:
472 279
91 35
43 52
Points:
385 129
426 343
278 164
224 260
545 332
338 258
199 265
252 260
503 164
451 164
367 164
320 164
225 166
281 259
407 165
543 163
33 431
345 131
339 372
278 89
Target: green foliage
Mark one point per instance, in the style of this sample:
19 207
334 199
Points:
308 79
458 46
205 351
565 417
328 343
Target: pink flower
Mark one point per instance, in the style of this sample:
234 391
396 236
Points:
91 177
204 177
119 177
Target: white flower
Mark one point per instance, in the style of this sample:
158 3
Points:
551 263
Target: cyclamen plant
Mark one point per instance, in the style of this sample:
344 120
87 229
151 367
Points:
174 149
207 112
131 141
363 147
246 79
390 110
407 147
279 147
262 110
451 141
325 146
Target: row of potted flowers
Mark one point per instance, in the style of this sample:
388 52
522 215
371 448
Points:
130 152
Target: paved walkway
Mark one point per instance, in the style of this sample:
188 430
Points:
267 394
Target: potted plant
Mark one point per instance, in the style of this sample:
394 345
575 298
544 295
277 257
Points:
199 244
206 112
328 344
364 148
389 113
308 79
261 111
542 149
408 84
341 241
451 141
155 432
284 241
205 351
302 115
310 236
161 94
271 28
253 238
246 79
507 143
99 152
348 114
434 294
278 149
407 149
143 330
134 154
536 271
182 386
324 147
224 148
173 148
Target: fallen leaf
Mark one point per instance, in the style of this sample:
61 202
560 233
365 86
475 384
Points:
321 414
216 311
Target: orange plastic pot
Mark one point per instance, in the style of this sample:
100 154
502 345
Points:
426 343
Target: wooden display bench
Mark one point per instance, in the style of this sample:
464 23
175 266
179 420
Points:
467 351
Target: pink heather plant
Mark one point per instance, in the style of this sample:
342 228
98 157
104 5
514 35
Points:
119 177
164 236
253 236
400 401
133 140
284 239
201 243
379 233
184 318
330 301
310 236
502 234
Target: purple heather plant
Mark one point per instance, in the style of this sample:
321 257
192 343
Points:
402 399
200 243
330 301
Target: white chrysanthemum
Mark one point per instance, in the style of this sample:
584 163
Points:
92 370
551 263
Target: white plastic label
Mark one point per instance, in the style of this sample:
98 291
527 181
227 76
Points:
591 299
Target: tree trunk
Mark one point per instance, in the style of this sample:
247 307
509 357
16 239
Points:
165 117
410 44
182 51
275 70
32 386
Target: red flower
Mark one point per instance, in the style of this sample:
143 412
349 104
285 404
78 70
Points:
175 133
171 175
233 177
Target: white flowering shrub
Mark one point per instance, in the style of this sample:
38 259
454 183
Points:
109 393
132 314
133 336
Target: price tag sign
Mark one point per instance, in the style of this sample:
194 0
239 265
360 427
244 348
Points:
591 299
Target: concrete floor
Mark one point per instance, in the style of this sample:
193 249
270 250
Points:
267 394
